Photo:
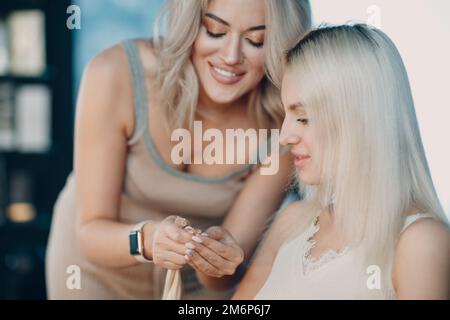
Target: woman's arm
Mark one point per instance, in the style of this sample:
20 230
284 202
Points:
259 199
104 123
100 150
422 262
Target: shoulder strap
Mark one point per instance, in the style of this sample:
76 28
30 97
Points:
413 218
139 88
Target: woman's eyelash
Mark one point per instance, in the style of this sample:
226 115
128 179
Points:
303 120
220 35
256 44
214 35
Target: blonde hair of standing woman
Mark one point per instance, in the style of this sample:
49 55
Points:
355 89
176 78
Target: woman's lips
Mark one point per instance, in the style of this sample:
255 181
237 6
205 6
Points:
300 161
224 76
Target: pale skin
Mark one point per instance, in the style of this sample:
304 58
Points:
421 267
105 122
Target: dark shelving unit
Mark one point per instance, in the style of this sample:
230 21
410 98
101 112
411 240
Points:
22 245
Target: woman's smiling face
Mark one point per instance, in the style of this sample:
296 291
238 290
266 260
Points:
297 132
228 53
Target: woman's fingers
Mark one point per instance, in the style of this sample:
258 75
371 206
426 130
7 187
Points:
175 258
224 266
215 253
175 247
177 234
230 252
173 253
203 266
220 241
171 265
169 244
216 233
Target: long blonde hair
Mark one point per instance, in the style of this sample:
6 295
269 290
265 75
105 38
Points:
355 89
175 76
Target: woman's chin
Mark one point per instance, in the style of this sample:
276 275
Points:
224 94
221 97
306 179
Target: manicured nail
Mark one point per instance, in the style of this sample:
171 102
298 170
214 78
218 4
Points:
197 239
190 245
189 229
204 234
189 252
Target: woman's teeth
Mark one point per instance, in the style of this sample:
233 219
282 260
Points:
225 73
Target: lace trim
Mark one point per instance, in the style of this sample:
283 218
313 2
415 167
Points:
311 264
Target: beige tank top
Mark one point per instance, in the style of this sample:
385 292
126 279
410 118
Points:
152 190
333 276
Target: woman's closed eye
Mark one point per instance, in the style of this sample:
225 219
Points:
221 34
255 44
304 121
214 35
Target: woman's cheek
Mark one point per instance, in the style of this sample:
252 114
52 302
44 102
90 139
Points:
256 67
308 142
204 45
256 59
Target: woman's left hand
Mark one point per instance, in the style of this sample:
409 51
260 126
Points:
214 253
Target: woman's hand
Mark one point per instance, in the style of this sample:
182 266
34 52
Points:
167 244
214 253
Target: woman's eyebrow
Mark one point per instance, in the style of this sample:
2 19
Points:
220 20
216 18
296 107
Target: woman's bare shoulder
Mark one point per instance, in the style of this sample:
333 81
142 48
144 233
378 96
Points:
112 59
430 235
113 63
106 88
109 75
422 261
108 67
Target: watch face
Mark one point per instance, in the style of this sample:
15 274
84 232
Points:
134 243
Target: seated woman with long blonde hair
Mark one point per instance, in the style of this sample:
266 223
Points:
371 226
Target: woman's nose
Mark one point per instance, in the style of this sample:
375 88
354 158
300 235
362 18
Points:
233 52
288 136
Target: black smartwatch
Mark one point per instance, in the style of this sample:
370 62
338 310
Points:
137 243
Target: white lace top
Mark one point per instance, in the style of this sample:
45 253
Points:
309 263
334 275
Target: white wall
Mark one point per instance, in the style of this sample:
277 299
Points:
421 31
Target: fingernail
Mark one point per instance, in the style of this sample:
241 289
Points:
189 252
190 245
197 239
204 234
186 257
189 229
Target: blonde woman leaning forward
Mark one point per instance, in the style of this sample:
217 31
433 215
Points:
372 227
210 67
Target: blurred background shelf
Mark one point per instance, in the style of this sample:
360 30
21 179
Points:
23 255
44 78
31 180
